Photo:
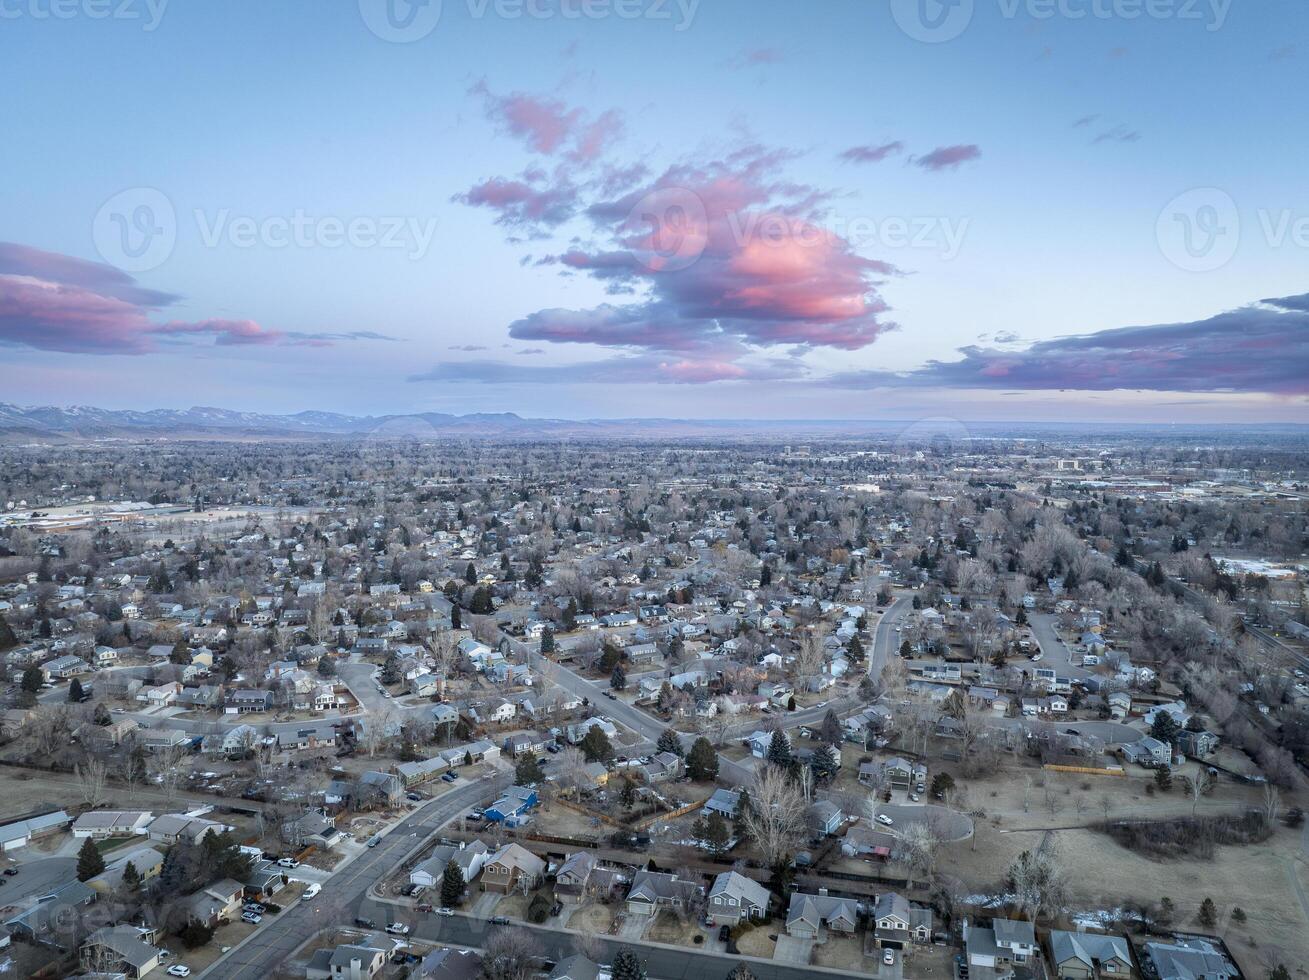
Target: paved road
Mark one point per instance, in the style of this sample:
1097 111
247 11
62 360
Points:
885 638
662 962
1055 652
342 895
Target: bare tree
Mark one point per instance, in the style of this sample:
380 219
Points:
1272 803
1200 784
775 819
1037 880
916 850
91 779
510 954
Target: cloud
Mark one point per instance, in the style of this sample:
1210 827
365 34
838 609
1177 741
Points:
1085 121
625 369
949 157
59 303
1119 134
872 154
527 203
1284 53
532 350
548 126
753 57
467 347
1261 348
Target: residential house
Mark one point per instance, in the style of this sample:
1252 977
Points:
1148 752
734 898
1089 956
102 824
898 925
993 952
513 866
512 805
446 963
824 817
469 857
20 833
415 773
216 902
654 890
1197 744
62 667
123 949
723 801
245 701
314 827
1193 958
173 827
576 967
809 913
900 773
349 961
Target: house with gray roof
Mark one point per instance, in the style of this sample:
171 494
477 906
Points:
734 898
808 914
1089 956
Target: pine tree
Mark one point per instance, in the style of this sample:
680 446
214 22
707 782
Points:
75 691
618 679
452 885
740 972
596 746
527 770
830 730
627 794
1163 778
702 762
717 833
1208 913
669 742
89 861
470 574
548 641
627 966
8 639
131 877
779 750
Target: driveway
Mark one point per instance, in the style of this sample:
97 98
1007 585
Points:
634 926
793 950
950 825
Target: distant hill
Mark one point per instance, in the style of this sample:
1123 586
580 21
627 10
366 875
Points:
78 423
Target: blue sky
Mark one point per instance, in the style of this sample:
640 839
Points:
246 112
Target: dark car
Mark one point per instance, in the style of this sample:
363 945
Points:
500 920
556 908
363 923
10 872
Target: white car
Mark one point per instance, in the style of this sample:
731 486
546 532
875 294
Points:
288 863
884 819
398 929
313 889
888 957
178 970
913 797
254 918
445 911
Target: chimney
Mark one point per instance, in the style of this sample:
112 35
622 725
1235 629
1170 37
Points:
822 891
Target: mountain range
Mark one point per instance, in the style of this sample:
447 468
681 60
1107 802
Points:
19 424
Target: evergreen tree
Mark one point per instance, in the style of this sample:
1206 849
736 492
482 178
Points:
779 750
452 886
89 861
830 730
856 650
596 746
75 691
527 770
131 877
456 618
470 574
716 832
740 972
180 654
618 679
8 639
669 742
702 761
627 966
627 794
548 641
1208 913
1165 727
1163 778
1279 972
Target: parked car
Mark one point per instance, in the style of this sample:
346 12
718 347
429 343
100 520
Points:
363 923
500 920
254 907
178 970
398 929
445 911
888 957
556 908
374 840
913 797
724 933
883 818
313 889
254 918
288 863
450 777
10 872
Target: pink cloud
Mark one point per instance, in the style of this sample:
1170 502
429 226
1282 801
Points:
522 202
949 157
58 303
548 125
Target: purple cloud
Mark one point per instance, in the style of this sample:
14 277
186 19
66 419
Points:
1262 348
872 154
949 157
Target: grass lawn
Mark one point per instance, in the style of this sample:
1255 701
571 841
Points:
106 844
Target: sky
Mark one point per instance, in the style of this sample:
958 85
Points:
1085 210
